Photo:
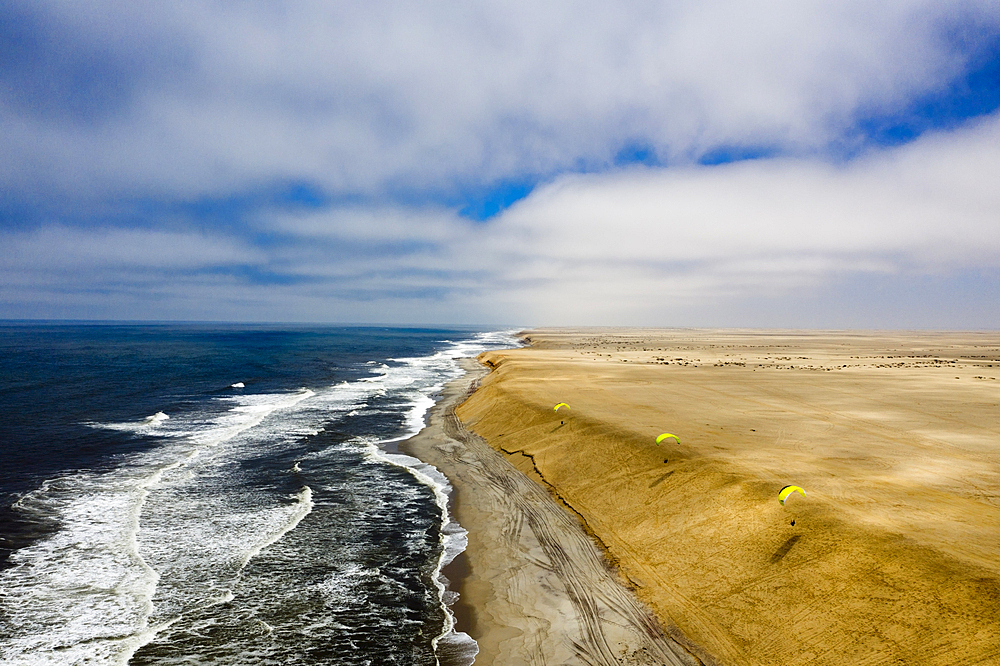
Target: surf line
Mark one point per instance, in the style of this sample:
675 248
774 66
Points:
453 539
212 437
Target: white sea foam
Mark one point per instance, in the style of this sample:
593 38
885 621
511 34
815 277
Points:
248 412
237 385
416 380
290 519
439 368
156 419
170 530
85 594
454 540
202 560
147 426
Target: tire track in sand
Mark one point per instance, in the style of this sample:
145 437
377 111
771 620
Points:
612 627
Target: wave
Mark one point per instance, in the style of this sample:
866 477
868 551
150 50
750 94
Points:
170 531
85 593
146 426
155 419
461 647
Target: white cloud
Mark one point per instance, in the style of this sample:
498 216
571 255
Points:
383 100
644 246
693 246
365 97
709 234
61 250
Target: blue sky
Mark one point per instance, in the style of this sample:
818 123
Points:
647 163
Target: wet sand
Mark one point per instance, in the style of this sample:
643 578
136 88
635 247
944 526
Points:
894 557
535 588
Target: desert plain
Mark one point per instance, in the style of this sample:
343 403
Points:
894 554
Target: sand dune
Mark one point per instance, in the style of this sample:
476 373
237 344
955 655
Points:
894 557
536 589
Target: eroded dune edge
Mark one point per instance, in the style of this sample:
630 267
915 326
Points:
894 556
535 587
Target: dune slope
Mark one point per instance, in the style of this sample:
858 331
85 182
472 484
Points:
894 557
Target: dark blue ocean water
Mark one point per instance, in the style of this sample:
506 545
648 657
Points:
223 494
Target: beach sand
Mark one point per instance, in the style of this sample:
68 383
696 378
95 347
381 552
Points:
535 589
894 557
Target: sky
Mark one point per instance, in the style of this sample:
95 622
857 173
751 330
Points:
824 164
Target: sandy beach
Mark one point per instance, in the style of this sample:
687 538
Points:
894 555
535 588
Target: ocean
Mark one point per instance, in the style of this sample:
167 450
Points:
224 494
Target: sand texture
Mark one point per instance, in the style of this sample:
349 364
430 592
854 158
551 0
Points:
537 589
894 557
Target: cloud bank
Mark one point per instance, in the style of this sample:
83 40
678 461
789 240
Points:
642 244
309 161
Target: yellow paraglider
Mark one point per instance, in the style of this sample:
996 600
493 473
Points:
665 435
788 490
561 404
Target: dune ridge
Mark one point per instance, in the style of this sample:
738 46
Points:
894 557
534 589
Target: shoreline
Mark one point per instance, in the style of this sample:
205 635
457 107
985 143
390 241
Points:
893 557
533 586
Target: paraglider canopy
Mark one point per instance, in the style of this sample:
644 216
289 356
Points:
665 435
788 490
561 404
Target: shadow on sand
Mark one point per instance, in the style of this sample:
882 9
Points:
785 547
661 479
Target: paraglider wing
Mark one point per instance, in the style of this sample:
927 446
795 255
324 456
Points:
788 490
561 404
665 435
